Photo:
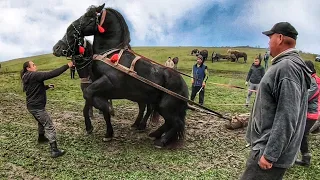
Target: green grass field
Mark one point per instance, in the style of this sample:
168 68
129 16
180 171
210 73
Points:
209 151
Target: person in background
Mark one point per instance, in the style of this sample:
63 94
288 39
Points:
254 76
72 71
266 59
312 116
36 97
200 75
169 63
175 60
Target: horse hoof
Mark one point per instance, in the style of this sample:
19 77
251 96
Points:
107 139
158 144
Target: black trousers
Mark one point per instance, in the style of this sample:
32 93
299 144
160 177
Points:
304 143
254 172
196 89
45 124
72 72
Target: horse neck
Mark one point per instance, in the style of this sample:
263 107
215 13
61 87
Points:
113 37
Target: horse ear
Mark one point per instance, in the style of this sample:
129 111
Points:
99 8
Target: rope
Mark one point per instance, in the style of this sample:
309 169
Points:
154 62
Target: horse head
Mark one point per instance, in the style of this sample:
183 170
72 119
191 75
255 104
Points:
107 25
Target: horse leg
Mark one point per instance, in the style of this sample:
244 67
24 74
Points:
87 121
111 109
173 111
101 84
143 123
159 132
142 107
103 105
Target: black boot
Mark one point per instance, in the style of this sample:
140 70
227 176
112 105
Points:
55 152
42 139
305 161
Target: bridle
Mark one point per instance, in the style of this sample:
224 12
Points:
77 37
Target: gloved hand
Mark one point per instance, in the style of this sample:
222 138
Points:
246 83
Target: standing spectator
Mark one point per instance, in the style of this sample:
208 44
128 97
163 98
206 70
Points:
175 61
278 117
72 71
254 76
312 116
169 63
266 59
36 97
260 57
200 75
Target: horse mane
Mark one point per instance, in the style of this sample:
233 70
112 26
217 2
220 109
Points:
126 33
91 11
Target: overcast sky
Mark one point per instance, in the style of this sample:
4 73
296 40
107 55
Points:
32 27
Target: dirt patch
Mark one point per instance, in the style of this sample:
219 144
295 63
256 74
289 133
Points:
15 172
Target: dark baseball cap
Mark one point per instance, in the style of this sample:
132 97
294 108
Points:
283 28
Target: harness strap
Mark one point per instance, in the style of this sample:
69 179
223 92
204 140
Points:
116 65
134 62
99 56
103 16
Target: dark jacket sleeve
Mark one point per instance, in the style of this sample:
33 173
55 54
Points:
262 72
42 76
249 74
286 119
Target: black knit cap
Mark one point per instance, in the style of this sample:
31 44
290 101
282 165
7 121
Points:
283 28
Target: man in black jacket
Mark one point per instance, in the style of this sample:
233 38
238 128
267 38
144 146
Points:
254 76
33 85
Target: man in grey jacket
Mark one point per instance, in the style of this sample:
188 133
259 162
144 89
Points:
278 116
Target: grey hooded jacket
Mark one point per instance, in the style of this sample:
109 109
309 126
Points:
278 118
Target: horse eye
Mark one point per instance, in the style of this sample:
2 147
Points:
92 19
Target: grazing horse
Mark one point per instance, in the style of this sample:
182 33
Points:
111 31
204 54
238 55
195 52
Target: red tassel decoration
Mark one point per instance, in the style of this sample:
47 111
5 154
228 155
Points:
101 29
114 58
81 50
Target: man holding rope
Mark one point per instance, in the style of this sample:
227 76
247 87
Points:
278 117
200 75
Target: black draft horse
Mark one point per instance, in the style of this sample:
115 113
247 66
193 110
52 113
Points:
83 63
111 31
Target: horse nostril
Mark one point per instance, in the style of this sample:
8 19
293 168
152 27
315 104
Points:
58 47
